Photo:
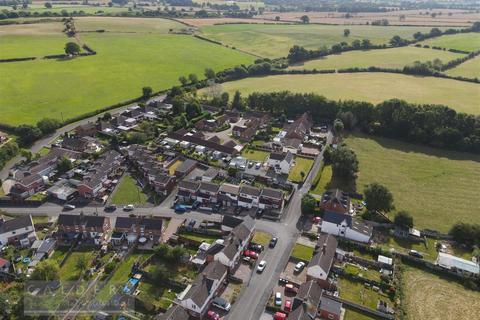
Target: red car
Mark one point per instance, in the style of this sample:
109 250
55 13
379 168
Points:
213 315
279 316
316 219
288 305
251 254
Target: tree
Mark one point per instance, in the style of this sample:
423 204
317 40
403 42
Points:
209 73
302 174
46 270
193 78
237 102
178 105
224 99
338 127
192 109
48 5
397 41
183 80
346 32
435 32
305 19
64 164
81 263
176 254
466 234
357 44
48 125
146 92
160 273
72 48
277 18
308 204
366 43
27 134
378 198
344 163
403 219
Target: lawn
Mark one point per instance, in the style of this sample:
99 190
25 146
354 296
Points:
255 155
69 271
395 58
198 237
463 41
370 274
423 180
32 40
128 192
302 252
372 87
469 69
354 315
325 178
301 165
262 238
173 167
31 90
445 299
356 292
274 40
428 250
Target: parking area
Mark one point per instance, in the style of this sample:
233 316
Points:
243 272
287 294
292 276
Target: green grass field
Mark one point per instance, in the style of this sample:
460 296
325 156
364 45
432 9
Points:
395 58
469 69
40 8
69 271
373 87
120 24
32 40
128 192
437 187
125 63
463 41
255 155
275 40
301 165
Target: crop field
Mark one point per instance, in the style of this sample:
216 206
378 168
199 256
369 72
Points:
423 180
32 40
276 39
395 58
464 41
469 69
119 24
201 22
374 87
445 299
31 90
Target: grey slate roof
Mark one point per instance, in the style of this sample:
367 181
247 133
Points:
325 252
16 223
330 305
175 312
252 191
89 221
231 221
202 286
306 302
186 166
189 185
148 223
337 218
272 193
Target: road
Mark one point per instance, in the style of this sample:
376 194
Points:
47 141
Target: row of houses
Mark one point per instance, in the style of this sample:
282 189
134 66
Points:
228 195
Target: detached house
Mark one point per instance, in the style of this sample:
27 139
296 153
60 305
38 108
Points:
18 231
244 133
344 225
93 228
319 266
197 296
88 129
132 229
281 162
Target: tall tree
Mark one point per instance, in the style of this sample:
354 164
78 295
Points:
378 198
237 102
193 78
48 125
209 73
344 163
305 19
308 204
338 127
346 32
46 270
147 92
403 219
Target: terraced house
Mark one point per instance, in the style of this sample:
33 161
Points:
91 228
132 229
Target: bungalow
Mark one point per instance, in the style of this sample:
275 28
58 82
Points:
185 168
134 228
281 162
335 200
93 228
271 199
319 266
197 296
187 190
344 225
248 196
18 231
87 129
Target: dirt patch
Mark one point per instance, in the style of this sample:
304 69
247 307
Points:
433 298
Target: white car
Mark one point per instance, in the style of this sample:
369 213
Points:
68 207
261 266
278 299
299 266
129 207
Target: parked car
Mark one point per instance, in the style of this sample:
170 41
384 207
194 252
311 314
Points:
128 207
213 315
68 207
416 254
110 208
251 254
287 307
279 316
261 266
278 299
289 287
299 266
273 242
282 281
180 208
255 247
221 303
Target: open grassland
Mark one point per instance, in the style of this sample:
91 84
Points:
124 64
275 40
437 187
463 41
120 24
469 69
428 296
395 58
372 87
40 8
32 40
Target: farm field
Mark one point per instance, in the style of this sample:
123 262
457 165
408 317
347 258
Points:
372 87
445 299
32 40
395 58
201 22
276 39
67 88
469 69
120 24
421 179
463 41
70 8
